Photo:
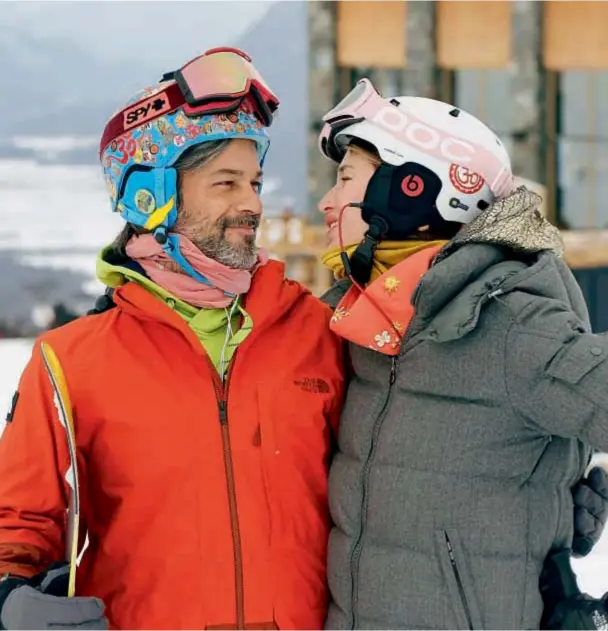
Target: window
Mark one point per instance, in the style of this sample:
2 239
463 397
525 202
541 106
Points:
575 52
582 151
486 95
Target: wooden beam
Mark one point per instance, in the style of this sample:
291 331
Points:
371 34
575 35
474 34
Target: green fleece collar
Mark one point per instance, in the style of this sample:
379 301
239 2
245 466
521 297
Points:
114 276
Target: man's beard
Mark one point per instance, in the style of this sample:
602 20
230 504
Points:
214 244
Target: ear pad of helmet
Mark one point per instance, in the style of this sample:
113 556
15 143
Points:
405 197
146 197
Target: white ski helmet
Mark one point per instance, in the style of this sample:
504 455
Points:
470 161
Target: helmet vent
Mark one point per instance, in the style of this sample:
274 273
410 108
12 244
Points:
455 112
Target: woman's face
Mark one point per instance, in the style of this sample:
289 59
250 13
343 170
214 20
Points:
354 173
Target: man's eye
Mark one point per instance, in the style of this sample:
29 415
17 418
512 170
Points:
225 183
256 185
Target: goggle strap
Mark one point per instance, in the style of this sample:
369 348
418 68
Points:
143 111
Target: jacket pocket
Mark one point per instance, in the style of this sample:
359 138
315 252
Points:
458 580
578 359
269 461
296 445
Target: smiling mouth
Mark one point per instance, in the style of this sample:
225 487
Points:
332 225
244 226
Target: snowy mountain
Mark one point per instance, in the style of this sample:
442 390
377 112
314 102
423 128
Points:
55 86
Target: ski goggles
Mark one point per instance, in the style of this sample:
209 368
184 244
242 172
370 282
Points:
364 103
216 82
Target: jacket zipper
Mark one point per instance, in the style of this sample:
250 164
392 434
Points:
358 547
221 393
463 597
356 552
222 402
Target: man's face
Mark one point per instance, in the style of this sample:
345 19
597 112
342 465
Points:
220 205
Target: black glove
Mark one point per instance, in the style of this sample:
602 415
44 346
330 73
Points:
565 606
580 612
590 510
40 603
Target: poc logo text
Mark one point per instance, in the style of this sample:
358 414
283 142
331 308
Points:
424 137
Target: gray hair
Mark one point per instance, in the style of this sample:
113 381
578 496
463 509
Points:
192 159
199 155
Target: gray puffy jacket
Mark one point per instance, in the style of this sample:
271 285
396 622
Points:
456 458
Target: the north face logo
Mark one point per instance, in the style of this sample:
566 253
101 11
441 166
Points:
312 384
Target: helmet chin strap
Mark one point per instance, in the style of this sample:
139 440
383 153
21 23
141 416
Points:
364 261
360 264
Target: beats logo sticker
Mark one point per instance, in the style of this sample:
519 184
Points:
412 185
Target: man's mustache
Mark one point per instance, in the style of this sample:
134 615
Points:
244 221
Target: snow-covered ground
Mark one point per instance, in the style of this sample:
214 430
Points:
14 354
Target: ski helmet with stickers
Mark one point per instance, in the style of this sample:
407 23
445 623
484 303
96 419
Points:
217 96
439 163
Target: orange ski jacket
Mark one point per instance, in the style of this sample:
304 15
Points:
205 503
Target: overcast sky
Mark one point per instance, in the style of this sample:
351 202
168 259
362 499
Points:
119 29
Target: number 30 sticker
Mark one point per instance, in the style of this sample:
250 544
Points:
464 180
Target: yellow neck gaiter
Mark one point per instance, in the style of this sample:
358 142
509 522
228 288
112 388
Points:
388 254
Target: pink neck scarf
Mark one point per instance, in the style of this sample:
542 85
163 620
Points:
145 250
